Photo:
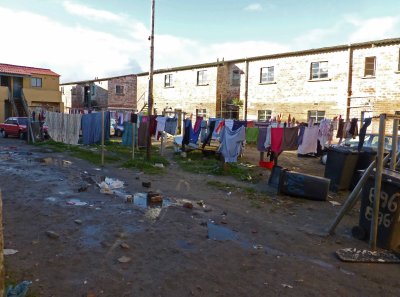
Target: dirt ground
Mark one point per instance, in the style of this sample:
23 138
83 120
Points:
225 245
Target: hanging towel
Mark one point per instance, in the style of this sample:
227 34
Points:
91 127
127 135
290 138
310 141
171 125
251 135
261 139
160 125
276 139
267 143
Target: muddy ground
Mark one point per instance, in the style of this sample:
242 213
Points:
227 245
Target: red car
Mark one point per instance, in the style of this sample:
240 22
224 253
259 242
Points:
16 126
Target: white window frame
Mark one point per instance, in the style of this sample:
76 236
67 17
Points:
202 78
267 74
264 115
370 66
319 70
168 80
201 112
316 115
35 82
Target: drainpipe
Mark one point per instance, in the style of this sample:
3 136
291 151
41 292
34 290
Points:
349 81
246 89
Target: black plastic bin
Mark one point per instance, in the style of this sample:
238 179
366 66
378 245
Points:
340 167
303 185
365 158
275 175
389 211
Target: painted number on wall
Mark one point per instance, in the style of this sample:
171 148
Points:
388 205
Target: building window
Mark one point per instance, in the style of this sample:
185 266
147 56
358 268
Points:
201 112
73 90
316 115
267 74
62 90
319 70
36 82
119 90
202 77
168 82
236 78
365 115
370 65
93 90
264 115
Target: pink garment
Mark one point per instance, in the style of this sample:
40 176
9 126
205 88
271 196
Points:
276 139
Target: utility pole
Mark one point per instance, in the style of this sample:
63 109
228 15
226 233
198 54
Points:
150 93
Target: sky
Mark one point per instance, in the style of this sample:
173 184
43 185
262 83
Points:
81 40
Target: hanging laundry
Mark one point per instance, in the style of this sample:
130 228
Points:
229 124
91 127
218 128
171 126
353 131
267 143
251 135
237 124
127 135
325 133
290 138
160 125
310 141
262 133
231 143
301 134
363 131
195 132
142 132
207 138
276 139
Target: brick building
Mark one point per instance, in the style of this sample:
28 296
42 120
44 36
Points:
353 80
117 92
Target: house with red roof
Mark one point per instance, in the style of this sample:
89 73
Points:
25 89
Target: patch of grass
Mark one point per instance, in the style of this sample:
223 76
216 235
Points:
140 162
197 162
220 185
93 157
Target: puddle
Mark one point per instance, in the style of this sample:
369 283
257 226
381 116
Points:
220 233
52 161
76 202
91 236
140 199
184 244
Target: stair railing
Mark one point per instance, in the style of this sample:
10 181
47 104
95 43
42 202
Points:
12 101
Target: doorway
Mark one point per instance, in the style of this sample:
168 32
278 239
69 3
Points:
17 87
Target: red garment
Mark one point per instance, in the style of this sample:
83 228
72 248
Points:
276 139
219 127
153 125
250 124
197 125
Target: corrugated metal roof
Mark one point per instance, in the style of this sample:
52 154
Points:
25 70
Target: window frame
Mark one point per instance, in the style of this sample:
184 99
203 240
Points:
201 112
270 78
316 117
121 88
202 79
267 115
373 70
235 78
34 82
321 75
168 83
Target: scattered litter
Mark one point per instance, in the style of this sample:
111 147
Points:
229 193
124 245
334 203
154 197
109 184
76 202
7 252
367 256
52 234
19 290
129 198
188 205
85 282
79 222
258 247
201 203
287 286
124 259
159 165
146 184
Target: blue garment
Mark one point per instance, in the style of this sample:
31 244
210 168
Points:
301 134
127 135
91 127
170 125
238 124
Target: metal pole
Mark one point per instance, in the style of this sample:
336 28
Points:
102 138
133 140
395 138
246 90
150 95
378 180
348 205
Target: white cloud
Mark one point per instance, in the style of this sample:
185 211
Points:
254 7
374 28
91 13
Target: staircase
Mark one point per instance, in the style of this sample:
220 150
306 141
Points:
141 103
19 108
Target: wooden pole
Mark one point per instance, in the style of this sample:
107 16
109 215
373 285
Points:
150 95
102 138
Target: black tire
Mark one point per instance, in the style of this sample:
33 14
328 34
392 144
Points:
4 134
